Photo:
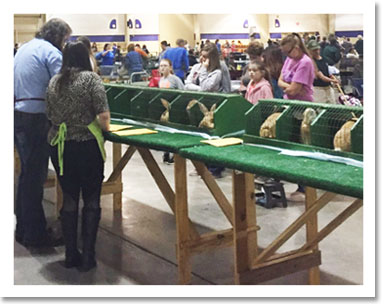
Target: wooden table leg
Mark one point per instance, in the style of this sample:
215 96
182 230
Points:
245 242
311 232
182 220
116 155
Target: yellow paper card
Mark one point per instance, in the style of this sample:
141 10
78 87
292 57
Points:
135 132
114 128
223 142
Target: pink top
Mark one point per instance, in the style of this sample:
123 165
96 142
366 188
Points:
300 71
257 91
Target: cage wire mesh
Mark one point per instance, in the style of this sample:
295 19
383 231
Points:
295 122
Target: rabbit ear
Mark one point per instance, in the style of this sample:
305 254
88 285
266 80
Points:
203 108
165 103
213 107
191 104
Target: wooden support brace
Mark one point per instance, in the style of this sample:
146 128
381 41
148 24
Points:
357 204
211 184
111 187
163 185
280 267
293 228
116 173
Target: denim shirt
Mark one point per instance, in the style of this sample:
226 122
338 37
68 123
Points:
35 63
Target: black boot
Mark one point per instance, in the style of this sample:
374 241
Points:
69 221
90 223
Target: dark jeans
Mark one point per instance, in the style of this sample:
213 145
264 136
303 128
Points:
30 135
83 168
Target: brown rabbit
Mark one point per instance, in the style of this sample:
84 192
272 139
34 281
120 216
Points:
342 139
308 116
208 119
268 127
165 115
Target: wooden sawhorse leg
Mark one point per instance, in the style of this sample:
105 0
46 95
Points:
182 220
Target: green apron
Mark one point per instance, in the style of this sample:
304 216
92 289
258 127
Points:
60 137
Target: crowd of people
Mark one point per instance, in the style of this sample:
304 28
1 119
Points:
61 109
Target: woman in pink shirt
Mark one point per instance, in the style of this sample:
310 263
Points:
297 73
259 86
296 80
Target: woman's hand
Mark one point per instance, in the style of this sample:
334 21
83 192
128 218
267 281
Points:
206 63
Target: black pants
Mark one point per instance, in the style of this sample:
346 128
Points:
83 171
30 131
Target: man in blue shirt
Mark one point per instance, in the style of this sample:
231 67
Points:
179 59
34 65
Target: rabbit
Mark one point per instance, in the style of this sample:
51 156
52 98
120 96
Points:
342 139
165 115
308 116
191 103
208 119
268 127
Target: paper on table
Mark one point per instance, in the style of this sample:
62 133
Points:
135 132
223 142
114 128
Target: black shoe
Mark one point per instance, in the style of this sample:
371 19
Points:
87 265
73 261
166 157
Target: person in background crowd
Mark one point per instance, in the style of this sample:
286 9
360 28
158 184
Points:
233 46
186 45
15 49
259 86
118 54
207 76
352 54
346 45
196 48
133 61
168 81
324 43
87 43
273 60
322 90
107 56
179 58
144 48
94 47
202 45
254 50
142 53
359 45
332 52
34 65
218 45
191 58
77 106
164 46
296 80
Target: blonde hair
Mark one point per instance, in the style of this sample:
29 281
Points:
295 40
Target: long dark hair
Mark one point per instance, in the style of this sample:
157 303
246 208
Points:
76 58
213 56
54 31
86 42
272 57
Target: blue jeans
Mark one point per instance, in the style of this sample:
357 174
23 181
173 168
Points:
30 134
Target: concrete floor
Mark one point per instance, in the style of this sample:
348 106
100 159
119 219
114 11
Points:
138 245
